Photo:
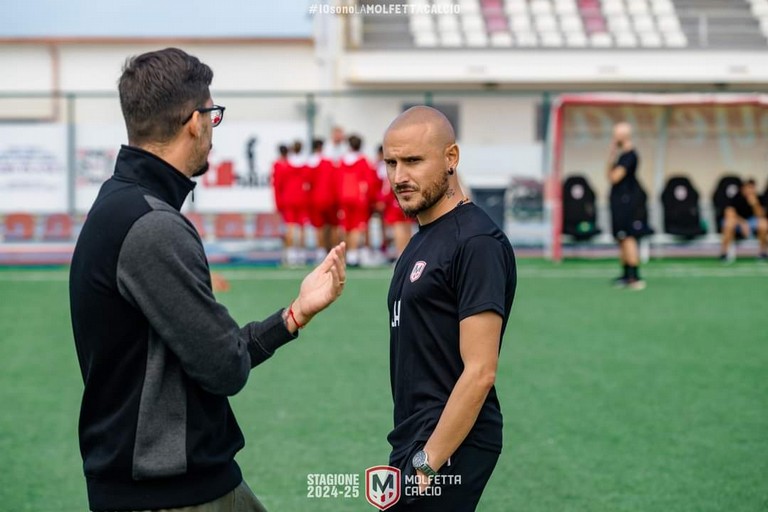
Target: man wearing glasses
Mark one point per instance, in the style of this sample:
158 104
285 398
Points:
158 355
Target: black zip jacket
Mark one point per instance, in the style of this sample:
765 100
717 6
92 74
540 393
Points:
158 354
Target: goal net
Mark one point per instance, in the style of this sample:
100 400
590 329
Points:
700 136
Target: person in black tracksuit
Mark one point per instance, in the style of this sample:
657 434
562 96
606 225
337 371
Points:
449 302
158 355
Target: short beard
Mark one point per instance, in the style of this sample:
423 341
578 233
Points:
202 170
429 197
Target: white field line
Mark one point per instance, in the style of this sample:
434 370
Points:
680 271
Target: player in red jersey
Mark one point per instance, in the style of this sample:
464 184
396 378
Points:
323 213
355 183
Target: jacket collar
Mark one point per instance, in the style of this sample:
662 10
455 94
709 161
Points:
154 174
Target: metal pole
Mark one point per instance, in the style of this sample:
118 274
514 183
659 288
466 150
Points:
311 118
71 155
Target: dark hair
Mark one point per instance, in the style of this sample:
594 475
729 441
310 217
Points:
158 90
297 145
750 181
283 149
317 145
355 142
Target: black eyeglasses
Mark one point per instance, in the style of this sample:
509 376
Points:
217 114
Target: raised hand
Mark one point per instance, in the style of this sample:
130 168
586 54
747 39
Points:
322 286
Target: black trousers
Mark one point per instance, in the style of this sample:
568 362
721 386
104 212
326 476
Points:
457 489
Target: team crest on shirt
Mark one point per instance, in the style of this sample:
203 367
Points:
418 269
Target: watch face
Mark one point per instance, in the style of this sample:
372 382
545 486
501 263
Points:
419 459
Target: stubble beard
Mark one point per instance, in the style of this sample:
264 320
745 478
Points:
430 196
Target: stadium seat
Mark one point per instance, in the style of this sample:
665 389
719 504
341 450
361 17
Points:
58 226
501 39
626 40
682 215
675 39
545 23
637 7
425 40
650 40
451 39
472 23
576 39
660 7
579 212
230 226
727 187
19 227
551 39
521 23
566 7
476 39
620 25
526 39
515 7
198 221
571 23
601 40
613 7
269 225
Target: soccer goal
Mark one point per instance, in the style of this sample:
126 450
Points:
700 136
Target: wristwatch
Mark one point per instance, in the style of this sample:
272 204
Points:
420 462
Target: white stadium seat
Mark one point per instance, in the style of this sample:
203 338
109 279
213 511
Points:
566 7
425 40
637 7
472 22
476 39
420 22
526 39
501 39
650 40
601 40
451 39
546 23
576 39
570 23
521 23
643 23
619 23
513 7
675 40
668 23
626 40
541 7
551 39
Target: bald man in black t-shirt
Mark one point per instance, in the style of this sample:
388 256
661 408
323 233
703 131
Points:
744 214
627 205
449 302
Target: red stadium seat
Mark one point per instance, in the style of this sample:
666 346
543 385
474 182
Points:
198 221
19 226
58 226
230 226
269 225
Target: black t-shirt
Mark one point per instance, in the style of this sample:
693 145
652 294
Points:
459 265
741 205
629 160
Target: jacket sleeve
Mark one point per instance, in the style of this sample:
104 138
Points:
162 270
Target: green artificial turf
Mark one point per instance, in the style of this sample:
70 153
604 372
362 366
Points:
613 400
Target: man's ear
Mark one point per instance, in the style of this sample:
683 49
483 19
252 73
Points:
194 126
452 156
